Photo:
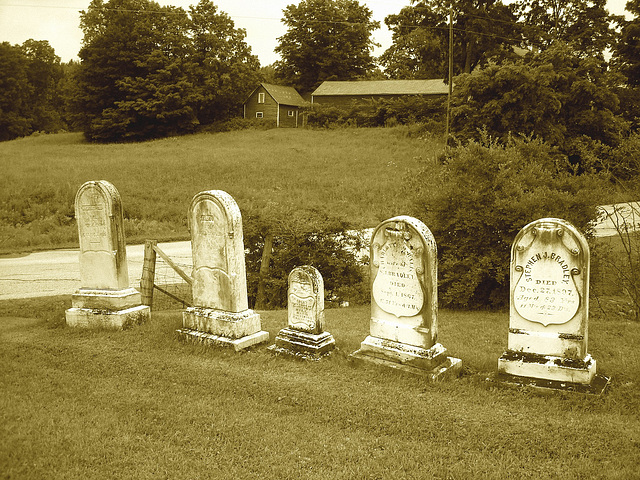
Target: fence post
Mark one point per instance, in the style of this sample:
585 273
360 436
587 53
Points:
148 273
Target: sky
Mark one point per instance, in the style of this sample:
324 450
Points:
58 21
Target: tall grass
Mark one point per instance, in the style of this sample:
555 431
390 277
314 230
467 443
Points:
351 175
141 404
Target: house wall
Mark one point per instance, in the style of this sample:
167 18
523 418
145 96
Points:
269 108
286 120
348 100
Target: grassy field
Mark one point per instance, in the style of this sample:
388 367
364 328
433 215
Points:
141 404
350 175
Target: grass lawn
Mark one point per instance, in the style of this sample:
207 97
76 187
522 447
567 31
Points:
141 404
276 176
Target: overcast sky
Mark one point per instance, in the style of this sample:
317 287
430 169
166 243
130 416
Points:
58 22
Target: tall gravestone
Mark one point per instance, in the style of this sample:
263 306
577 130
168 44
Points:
304 335
549 305
404 301
105 298
220 314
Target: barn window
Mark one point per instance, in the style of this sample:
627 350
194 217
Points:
261 97
291 113
258 114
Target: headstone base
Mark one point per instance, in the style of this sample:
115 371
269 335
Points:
430 362
106 299
219 341
597 386
547 367
303 344
231 325
102 318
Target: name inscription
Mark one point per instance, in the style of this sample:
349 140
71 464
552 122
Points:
396 288
546 292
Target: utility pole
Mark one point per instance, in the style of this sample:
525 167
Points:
446 138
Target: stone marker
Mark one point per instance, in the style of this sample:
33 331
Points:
304 336
105 298
549 297
220 314
404 301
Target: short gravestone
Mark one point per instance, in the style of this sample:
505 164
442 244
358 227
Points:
304 336
220 314
104 298
404 301
549 308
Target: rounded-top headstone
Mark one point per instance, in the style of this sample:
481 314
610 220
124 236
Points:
306 299
103 254
404 282
219 275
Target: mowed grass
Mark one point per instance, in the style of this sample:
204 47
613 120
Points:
349 175
141 404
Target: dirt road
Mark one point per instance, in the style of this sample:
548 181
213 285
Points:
57 272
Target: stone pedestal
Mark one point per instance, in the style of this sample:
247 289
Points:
303 344
217 327
404 302
105 299
432 362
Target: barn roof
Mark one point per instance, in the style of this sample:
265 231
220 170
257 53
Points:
284 95
383 87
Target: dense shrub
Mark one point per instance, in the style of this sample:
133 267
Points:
382 113
332 253
480 198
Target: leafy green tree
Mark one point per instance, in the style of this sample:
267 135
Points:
555 95
29 81
150 71
15 119
627 50
326 40
480 198
224 69
483 29
585 25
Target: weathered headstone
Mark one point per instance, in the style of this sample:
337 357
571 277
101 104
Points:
105 298
404 301
220 314
304 335
549 311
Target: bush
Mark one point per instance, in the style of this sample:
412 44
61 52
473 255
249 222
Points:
332 253
481 197
410 110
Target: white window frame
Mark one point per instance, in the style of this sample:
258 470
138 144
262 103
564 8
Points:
260 97
259 115
290 113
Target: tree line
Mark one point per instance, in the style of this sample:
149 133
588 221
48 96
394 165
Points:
148 70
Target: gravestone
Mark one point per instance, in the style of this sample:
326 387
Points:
304 335
549 306
104 298
404 301
220 314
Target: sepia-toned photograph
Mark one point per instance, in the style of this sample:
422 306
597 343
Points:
319 239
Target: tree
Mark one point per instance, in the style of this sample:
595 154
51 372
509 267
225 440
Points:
29 82
326 40
555 95
585 25
627 50
480 198
150 71
483 29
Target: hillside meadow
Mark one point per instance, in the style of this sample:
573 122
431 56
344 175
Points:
350 176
